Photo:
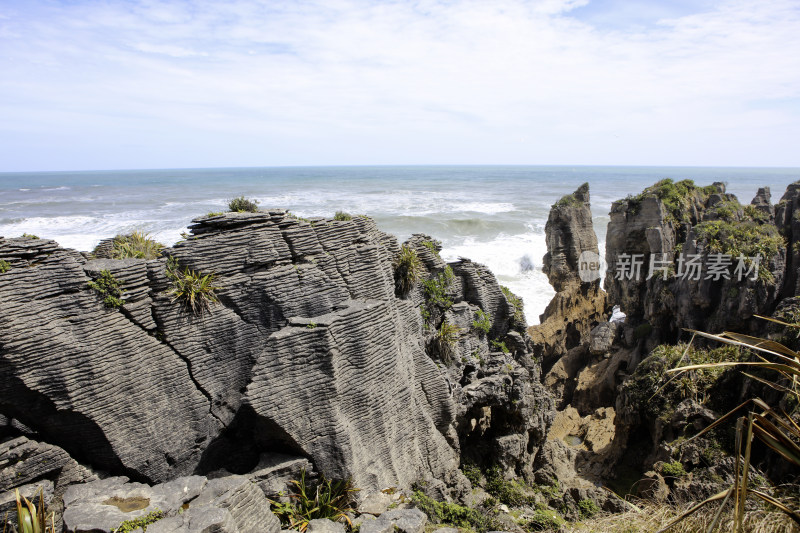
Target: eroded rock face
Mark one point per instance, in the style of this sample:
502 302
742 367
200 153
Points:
308 353
668 222
578 305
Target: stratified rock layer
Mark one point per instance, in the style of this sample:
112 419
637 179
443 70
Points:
307 353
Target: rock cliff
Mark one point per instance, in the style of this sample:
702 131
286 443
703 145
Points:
309 353
620 417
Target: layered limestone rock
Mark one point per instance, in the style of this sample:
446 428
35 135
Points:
308 353
579 303
661 250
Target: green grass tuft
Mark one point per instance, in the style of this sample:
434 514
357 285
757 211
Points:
109 289
243 205
137 245
499 345
434 246
545 520
5 266
214 213
195 291
745 238
407 270
331 499
341 215
29 236
446 339
472 472
511 492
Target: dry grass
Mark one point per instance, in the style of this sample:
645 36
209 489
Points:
652 517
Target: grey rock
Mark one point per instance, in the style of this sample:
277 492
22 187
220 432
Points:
375 503
323 525
602 338
643 225
308 353
403 520
191 504
275 472
578 305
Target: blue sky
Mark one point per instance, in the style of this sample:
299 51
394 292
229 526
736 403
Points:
165 84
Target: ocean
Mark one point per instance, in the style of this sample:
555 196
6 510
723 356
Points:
494 215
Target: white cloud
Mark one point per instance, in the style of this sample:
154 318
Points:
346 81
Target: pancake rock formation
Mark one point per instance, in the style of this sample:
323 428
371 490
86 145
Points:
312 357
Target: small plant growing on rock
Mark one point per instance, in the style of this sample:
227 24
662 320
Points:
510 492
129 526
31 519
325 499
545 520
518 310
499 345
407 270
29 236
482 322
341 215
109 289
243 205
673 469
587 508
472 472
136 245
433 246
772 426
195 291
454 514
568 200
5 266
214 213
445 340
436 288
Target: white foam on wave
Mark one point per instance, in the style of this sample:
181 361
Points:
83 232
507 257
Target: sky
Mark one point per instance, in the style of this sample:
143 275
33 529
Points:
181 84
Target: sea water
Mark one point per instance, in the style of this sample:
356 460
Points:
494 215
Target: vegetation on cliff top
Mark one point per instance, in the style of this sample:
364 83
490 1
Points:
676 197
746 238
137 245
243 205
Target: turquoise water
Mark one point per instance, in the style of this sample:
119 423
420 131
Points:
492 214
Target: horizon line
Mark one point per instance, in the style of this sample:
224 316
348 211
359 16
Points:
407 165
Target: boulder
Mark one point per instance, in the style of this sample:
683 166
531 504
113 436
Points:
188 505
402 520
